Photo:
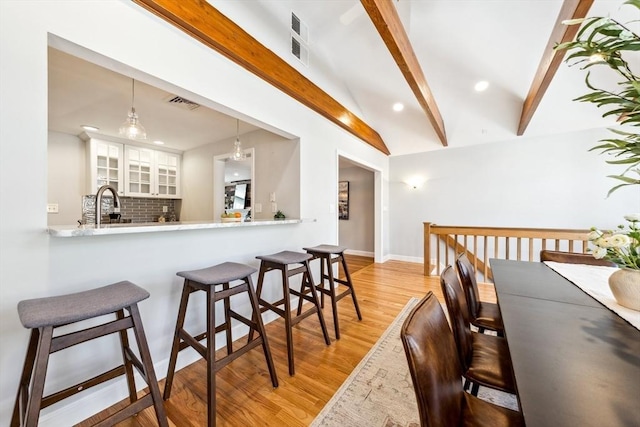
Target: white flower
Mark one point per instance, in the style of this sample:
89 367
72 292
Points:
618 241
594 234
601 242
599 253
635 217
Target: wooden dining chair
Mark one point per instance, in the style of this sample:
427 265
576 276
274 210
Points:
485 359
435 372
573 258
484 315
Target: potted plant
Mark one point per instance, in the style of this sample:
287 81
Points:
604 42
279 215
621 246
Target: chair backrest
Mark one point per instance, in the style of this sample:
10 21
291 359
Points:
433 364
458 315
573 258
469 284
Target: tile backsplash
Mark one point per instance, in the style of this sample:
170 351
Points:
136 209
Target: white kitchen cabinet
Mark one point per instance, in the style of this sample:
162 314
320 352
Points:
151 173
105 159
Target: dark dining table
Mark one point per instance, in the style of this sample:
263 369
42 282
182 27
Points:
576 363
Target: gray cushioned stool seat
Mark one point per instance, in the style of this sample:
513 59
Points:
286 257
63 309
326 249
221 273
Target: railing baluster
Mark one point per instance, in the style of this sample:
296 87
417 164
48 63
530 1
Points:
530 249
519 248
486 263
507 247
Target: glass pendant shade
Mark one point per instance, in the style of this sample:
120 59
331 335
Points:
238 153
132 128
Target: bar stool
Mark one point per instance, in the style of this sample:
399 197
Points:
329 255
291 264
206 280
44 315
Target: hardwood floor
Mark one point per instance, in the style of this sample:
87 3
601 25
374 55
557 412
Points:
245 396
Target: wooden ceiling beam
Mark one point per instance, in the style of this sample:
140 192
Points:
551 58
206 24
385 18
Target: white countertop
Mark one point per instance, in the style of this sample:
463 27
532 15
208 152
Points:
152 227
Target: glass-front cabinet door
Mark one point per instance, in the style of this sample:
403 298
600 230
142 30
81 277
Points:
105 165
168 175
139 166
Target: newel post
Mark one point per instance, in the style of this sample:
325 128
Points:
427 248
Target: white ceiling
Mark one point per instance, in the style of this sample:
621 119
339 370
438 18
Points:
457 42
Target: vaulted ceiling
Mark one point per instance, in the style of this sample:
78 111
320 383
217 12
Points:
364 56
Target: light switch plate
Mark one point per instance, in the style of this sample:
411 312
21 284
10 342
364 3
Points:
258 207
52 208
272 197
274 207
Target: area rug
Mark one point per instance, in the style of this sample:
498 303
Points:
379 391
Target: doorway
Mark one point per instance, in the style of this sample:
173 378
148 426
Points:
359 201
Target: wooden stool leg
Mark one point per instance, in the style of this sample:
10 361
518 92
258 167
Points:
332 295
257 319
322 277
227 320
314 294
39 373
147 365
175 347
287 319
22 397
211 358
258 296
350 284
128 367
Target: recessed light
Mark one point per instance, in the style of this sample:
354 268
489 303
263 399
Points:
158 142
481 86
90 128
398 106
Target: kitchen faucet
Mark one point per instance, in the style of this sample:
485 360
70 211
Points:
116 201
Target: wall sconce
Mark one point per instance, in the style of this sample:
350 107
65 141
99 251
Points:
415 182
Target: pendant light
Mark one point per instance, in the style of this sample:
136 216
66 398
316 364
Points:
238 153
131 128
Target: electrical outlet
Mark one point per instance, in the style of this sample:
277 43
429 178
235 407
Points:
165 209
274 207
272 197
258 207
52 208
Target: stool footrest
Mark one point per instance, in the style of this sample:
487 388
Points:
224 361
81 386
140 404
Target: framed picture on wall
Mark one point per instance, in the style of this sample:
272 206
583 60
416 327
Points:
343 200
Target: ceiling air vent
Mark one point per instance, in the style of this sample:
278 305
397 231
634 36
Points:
300 50
299 28
299 39
182 102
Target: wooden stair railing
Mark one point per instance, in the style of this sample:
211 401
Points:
442 243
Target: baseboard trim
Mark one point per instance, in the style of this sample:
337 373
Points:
359 253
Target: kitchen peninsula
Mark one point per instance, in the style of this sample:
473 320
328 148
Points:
150 227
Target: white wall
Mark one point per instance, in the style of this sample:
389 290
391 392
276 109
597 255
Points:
34 265
357 233
550 182
67 181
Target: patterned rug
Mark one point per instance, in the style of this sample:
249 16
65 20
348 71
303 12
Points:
379 391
